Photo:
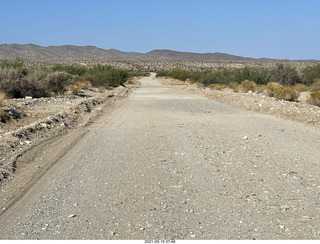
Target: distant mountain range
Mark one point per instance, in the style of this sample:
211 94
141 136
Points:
31 52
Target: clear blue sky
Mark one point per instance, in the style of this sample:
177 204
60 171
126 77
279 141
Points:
253 28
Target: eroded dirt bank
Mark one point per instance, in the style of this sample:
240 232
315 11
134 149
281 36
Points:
43 119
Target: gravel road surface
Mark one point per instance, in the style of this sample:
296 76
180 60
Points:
167 164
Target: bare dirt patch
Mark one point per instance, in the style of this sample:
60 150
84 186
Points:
297 111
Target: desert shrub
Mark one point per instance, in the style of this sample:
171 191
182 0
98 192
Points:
117 77
311 74
2 97
16 64
246 86
12 82
161 73
285 74
314 98
233 85
78 86
215 77
58 82
130 81
195 76
271 88
179 74
101 89
300 87
261 88
70 69
286 93
37 85
315 86
279 91
258 75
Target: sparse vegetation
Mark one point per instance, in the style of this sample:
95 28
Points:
288 81
18 82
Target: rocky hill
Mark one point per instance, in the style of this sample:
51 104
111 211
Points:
31 52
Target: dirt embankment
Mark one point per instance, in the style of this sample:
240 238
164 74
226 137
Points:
297 111
43 119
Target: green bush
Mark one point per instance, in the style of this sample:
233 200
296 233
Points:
215 77
70 69
58 81
258 75
16 64
161 73
311 74
179 74
285 75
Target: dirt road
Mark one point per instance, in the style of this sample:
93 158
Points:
167 164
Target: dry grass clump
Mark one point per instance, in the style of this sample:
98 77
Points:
261 88
217 86
2 97
286 93
130 81
279 91
314 98
271 88
79 85
101 89
315 86
233 85
300 87
246 86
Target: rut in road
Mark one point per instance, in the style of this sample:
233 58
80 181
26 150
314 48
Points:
171 165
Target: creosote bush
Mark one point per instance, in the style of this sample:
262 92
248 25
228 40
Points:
58 81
